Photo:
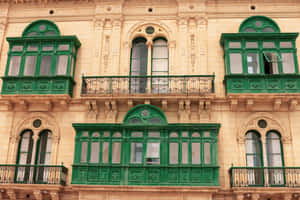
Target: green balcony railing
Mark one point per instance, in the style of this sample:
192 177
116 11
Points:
189 85
33 174
145 175
265 176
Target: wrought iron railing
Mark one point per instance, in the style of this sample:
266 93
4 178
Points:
193 84
33 174
265 176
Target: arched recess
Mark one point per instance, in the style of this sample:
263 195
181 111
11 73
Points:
48 122
161 30
273 124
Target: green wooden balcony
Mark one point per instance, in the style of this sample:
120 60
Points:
37 85
145 175
124 85
258 83
265 176
33 174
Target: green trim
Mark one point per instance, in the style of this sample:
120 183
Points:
265 22
36 28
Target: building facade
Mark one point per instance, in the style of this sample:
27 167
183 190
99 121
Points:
132 99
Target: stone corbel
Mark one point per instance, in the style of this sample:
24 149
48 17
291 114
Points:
92 109
234 104
182 21
9 104
164 105
23 104
49 105
38 195
239 197
63 104
249 104
255 196
172 44
276 104
287 197
11 194
111 111
188 108
129 104
293 104
54 195
147 102
98 24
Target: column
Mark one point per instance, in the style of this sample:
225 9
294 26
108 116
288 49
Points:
13 149
55 143
98 34
202 45
149 63
182 47
171 45
106 50
115 45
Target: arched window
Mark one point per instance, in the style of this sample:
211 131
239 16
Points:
253 149
138 67
274 149
25 148
159 66
45 143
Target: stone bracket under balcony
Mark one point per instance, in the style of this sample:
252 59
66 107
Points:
263 102
34 102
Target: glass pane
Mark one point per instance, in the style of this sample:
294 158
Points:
45 68
14 66
253 63
196 135
174 135
173 153
288 65
61 65
184 153
184 134
48 47
236 66
206 134
269 45
32 48
49 143
137 134
286 45
251 45
154 120
268 29
154 134
84 146
234 45
117 134
136 153
135 121
23 158
25 141
105 149
253 161
207 153
274 160
106 134
116 152
17 48
196 153
63 47
85 134
95 149
30 64
153 153
32 34
249 30
96 134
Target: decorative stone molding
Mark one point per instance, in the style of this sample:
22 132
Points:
111 111
161 30
239 197
98 24
293 104
54 195
184 110
92 109
11 194
287 197
234 104
255 197
38 195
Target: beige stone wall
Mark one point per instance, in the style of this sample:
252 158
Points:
106 30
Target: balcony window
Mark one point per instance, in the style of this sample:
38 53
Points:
41 61
133 151
260 59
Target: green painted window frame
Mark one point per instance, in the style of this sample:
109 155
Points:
256 140
269 154
261 52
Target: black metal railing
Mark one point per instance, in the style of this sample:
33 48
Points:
33 174
265 176
193 84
